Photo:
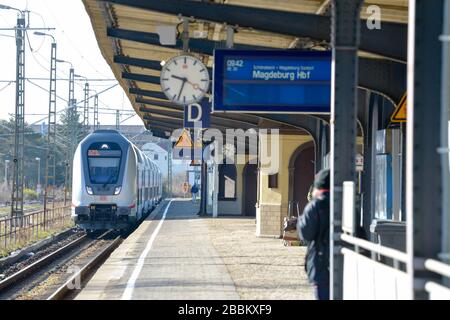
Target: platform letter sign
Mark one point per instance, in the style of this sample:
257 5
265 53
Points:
288 81
197 115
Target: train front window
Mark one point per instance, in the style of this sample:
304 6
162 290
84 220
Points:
104 163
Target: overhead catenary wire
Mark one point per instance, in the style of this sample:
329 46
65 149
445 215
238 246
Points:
71 42
78 103
6 86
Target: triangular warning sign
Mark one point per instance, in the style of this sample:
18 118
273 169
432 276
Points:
399 114
184 141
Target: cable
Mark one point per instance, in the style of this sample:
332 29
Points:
71 42
46 90
3 88
128 118
77 104
45 27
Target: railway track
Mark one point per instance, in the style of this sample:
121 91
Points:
48 277
68 288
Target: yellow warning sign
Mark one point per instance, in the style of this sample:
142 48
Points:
184 141
399 114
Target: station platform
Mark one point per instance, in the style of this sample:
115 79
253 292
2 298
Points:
174 254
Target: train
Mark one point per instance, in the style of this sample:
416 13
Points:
114 184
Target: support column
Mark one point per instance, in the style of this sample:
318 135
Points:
369 164
318 147
445 110
204 185
50 162
424 167
345 39
19 121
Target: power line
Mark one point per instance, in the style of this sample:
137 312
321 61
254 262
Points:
78 103
71 42
44 89
4 87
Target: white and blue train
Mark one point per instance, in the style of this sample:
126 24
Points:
114 183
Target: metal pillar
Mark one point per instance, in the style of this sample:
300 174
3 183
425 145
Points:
117 120
185 34
6 172
169 171
95 112
230 37
50 163
19 123
204 184
445 110
72 111
86 107
369 163
320 145
345 41
424 167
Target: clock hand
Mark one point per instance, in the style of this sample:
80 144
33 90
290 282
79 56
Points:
179 78
181 89
196 86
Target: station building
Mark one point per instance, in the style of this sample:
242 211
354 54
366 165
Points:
386 132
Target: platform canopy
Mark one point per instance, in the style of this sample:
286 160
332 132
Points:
126 31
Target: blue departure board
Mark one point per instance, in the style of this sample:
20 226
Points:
272 81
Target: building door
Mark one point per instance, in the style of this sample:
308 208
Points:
250 189
303 177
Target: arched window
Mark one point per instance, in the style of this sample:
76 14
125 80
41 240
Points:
227 182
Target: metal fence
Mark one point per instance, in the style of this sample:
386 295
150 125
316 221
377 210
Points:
16 232
435 289
372 277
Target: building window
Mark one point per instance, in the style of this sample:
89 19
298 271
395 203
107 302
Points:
227 182
155 157
273 181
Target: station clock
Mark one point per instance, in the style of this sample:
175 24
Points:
184 79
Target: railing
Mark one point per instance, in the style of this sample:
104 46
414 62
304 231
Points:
436 290
16 232
396 255
368 277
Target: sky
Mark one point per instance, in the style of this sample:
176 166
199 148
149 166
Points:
76 43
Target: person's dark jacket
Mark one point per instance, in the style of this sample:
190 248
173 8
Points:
194 189
313 227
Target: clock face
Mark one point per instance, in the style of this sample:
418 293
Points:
184 79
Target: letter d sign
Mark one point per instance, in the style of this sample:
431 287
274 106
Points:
190 112
197 115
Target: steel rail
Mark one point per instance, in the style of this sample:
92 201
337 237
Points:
65 289
6 283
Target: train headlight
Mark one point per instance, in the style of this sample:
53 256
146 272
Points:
117 190
89 190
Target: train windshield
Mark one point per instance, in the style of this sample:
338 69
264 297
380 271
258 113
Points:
104 163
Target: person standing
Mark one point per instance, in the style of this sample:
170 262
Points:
313 228
194 191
